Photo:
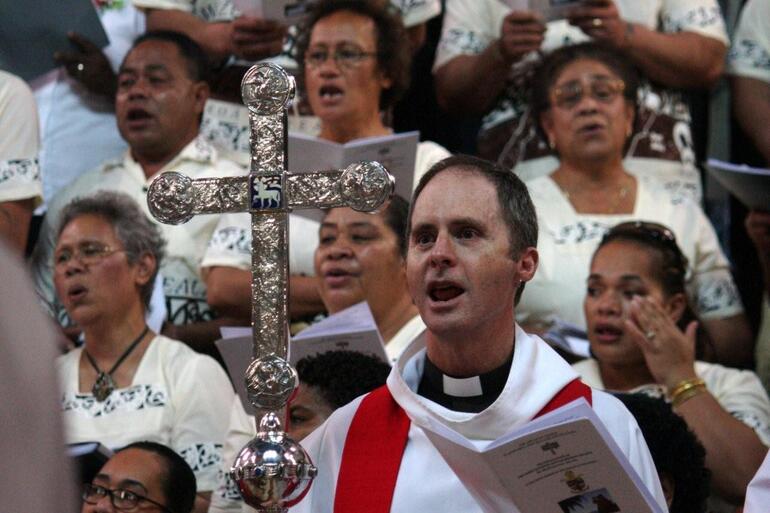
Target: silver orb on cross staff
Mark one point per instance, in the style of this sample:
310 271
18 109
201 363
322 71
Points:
273 472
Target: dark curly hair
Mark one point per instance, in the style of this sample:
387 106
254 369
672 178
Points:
194 56
677 453
179 483
554 63
393 55
341 376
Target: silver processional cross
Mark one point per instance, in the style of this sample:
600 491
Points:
272 471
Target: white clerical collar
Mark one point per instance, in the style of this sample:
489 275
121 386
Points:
462 387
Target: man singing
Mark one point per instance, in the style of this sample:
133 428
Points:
472 238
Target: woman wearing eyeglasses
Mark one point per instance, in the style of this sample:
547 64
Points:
354 58
635 304
584 97
126 383
354 61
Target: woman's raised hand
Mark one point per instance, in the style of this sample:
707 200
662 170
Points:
669 353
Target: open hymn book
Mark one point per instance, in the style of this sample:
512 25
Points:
548 9
397 152
562 462
351 329
751 185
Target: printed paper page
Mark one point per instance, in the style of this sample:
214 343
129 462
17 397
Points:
397 152
562 462
237 354
750 185
548 9
352 329
288 12
308 154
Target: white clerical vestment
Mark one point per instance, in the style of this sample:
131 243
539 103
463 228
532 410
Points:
425 482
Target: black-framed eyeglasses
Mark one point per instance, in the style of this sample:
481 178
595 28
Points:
124 500
345 57
601 89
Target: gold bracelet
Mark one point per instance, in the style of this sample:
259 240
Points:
686 389
684 385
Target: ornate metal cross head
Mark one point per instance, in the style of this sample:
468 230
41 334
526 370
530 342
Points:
273 472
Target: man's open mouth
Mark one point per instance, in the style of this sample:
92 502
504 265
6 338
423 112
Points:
444 292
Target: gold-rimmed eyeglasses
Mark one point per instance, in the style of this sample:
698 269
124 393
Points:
604 90
344 57
87 253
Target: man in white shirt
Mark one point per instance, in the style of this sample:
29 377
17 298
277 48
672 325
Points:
472 239
160 98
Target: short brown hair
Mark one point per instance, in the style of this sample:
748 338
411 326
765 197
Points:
516 205
515 202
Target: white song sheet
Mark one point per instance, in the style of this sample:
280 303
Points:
751 185
562 462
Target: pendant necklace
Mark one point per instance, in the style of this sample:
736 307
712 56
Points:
105 385
621 194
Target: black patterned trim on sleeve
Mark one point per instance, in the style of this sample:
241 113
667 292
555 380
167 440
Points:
700 17
231 238
750 53
226 134
202 456
227 489
137 397
580 232
220 10
26 170
406 6
716 293
459 41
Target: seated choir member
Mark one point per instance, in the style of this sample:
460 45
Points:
326 382
488 49
584 98
635 297
354 62
472 234
143 476
159 101
126 383
678 455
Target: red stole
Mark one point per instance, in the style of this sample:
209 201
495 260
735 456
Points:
375 444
